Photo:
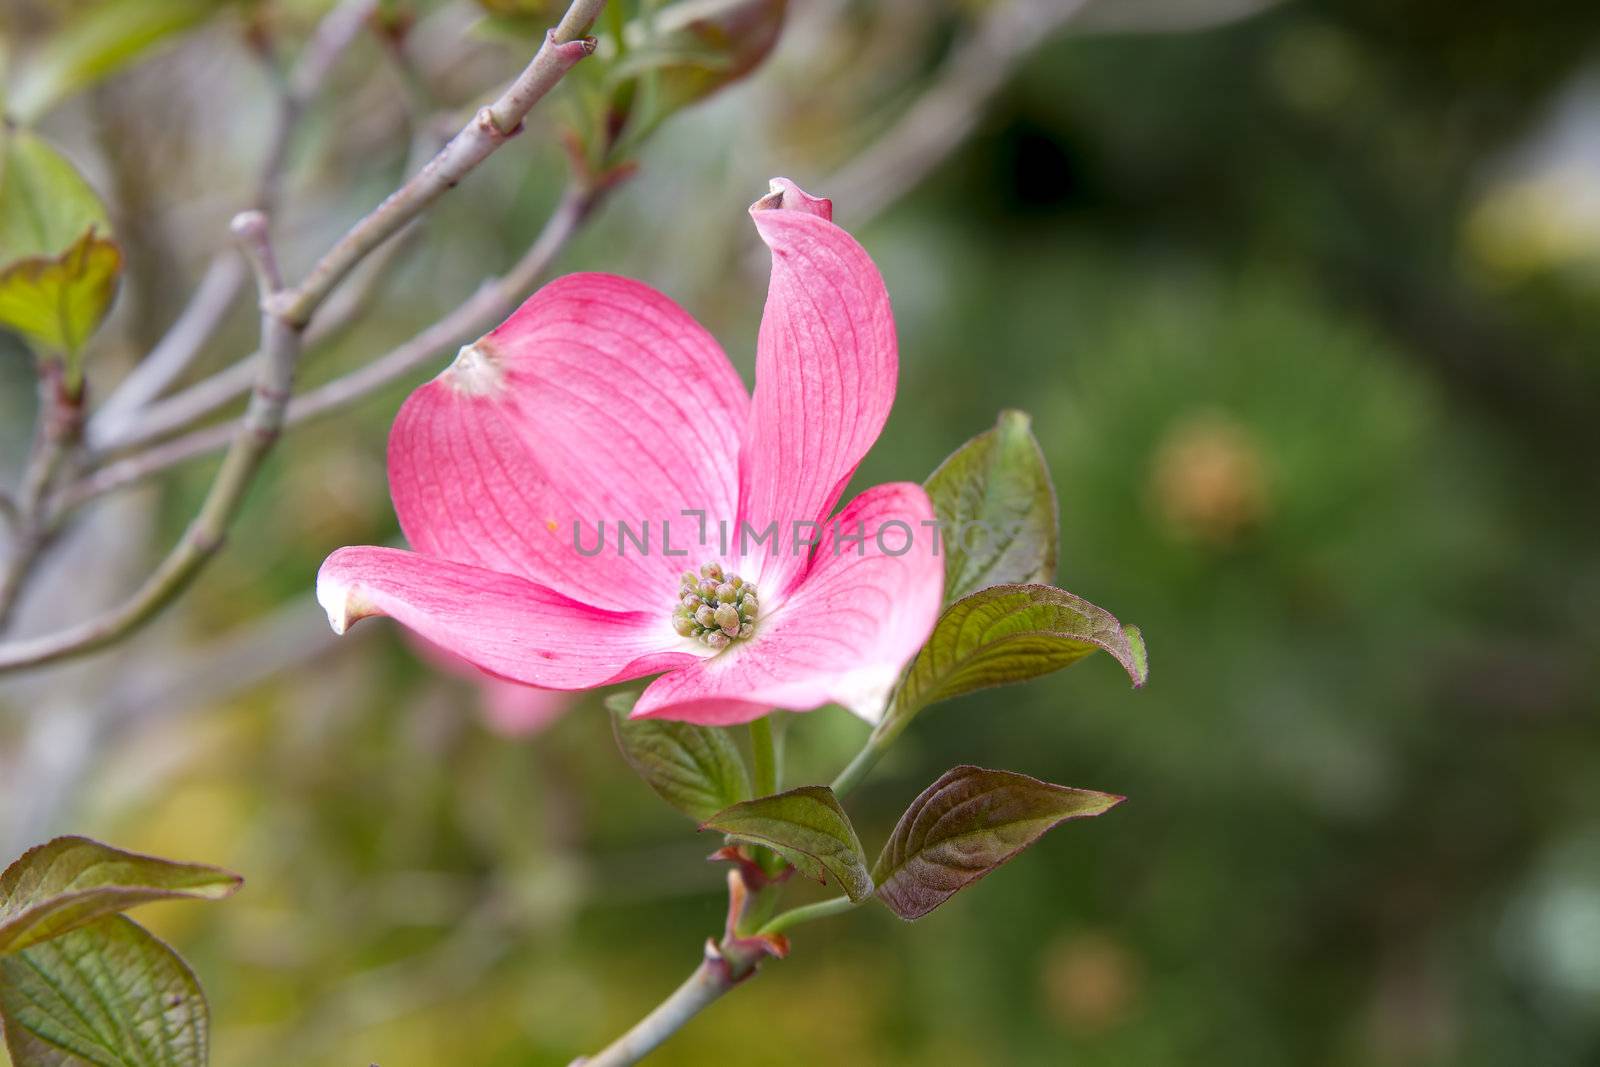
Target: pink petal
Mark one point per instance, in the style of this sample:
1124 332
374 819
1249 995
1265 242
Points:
510 708
843 636
513 710
825 374
500 623
599 400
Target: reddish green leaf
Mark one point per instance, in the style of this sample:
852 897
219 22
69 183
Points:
1005 634
808 828
965 825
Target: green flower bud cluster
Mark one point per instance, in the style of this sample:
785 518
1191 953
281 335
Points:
714 607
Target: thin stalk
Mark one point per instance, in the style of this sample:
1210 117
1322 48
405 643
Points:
57 427
860 766
822 909
765 756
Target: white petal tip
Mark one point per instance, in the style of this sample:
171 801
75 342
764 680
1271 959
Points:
865 693
341 603
475 371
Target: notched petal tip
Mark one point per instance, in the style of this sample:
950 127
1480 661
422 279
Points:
785 195
476 370
343 604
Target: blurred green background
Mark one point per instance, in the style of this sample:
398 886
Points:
1304 300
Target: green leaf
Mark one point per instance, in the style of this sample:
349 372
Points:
696 769
59 303
108 995
997 510
808 828
45 204
965 825
58 265
72 881
1005 634
96 42
693 49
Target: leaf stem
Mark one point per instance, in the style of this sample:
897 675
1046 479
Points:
859 767
822 909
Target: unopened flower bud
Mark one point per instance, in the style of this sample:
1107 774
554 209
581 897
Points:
714 607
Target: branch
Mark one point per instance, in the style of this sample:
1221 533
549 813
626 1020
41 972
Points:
225 275
193 403
492 302
284 314
478 139
708 982
57 427
280 344
336 32
978 67
166 416
176 350
724 965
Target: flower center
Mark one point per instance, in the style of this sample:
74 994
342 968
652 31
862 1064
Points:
714 607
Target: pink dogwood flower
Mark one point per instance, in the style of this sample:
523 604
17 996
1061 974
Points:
592 496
